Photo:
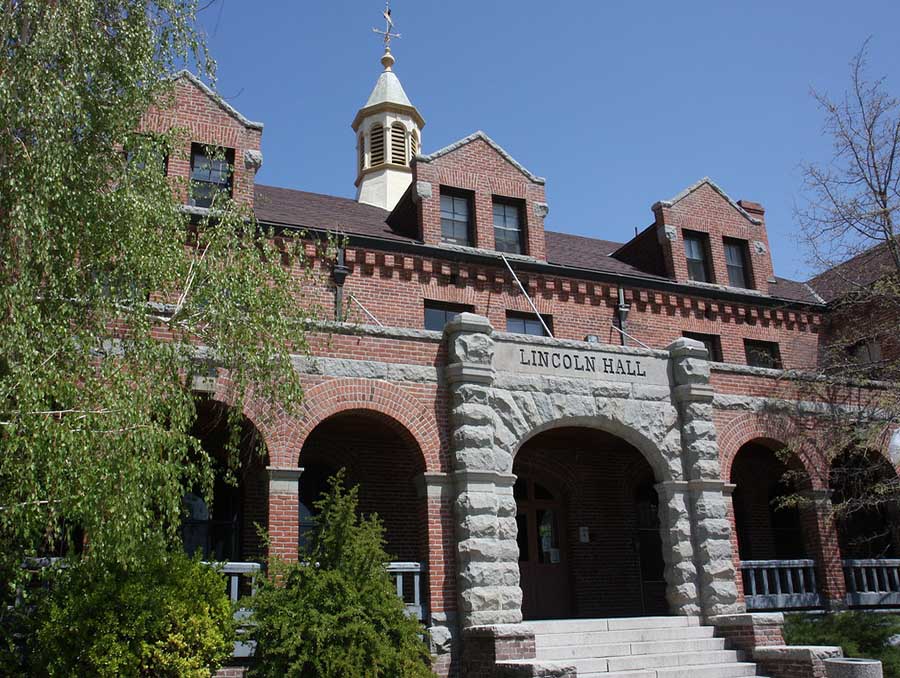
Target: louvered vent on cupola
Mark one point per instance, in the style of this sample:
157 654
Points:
413 144
376 146
398 144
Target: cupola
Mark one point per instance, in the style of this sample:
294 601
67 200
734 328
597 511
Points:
388 137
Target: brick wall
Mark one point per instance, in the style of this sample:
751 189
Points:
478 168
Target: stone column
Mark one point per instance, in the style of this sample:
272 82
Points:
821 536
284 513
484 507
711 529
678 547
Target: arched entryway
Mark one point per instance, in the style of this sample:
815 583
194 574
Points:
382 459
865 490
224 527
589 540
769 526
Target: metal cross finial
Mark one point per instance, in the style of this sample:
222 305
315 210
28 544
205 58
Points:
388 25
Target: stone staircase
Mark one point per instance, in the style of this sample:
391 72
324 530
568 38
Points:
640 647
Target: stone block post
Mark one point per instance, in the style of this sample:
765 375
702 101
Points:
708 503
284 512
483 504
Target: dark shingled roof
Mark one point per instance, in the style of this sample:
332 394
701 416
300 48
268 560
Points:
327 212
859 271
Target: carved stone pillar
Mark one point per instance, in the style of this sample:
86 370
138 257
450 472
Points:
708 505
484 506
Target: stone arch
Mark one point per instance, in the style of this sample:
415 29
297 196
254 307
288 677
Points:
408 415
649 449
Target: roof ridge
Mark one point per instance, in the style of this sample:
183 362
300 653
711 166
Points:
713 185
217 98
479 134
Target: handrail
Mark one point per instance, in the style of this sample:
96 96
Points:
365 310
625 334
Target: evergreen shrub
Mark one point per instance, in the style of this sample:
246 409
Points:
335 613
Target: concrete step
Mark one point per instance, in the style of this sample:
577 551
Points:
670 660
733 670
575 651
617 624
574 636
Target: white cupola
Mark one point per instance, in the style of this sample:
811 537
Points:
388 136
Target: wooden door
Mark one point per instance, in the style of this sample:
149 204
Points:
543 559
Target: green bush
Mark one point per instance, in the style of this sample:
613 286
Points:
335 613
859 634
170 616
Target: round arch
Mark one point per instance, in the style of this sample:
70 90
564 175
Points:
648 449
408 415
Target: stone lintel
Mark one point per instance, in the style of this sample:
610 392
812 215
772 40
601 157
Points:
433 485
470 373
728 489
469 322
672 487
748 619
693 393
203 384
803 653
703 485
484 481
283 479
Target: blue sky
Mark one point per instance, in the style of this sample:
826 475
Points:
617 104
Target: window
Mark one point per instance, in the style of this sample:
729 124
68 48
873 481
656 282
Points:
762 354
711 341
455 211
438 313
376 146
210 174
527 323
736 260
398 144
146 152
865 352
696 247
507 228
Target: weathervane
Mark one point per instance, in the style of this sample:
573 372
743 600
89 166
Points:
388 25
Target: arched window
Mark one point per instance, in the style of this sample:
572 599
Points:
361 151
376 146
398 144
413 144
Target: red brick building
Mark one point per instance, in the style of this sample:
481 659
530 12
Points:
550 426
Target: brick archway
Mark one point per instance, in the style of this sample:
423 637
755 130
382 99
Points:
749 427
413 418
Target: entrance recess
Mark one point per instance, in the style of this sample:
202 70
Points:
589 532
543 569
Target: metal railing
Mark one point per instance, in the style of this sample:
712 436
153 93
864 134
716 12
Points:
780 584
872 582
408 580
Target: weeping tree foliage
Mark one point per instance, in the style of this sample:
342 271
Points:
112 298
850 220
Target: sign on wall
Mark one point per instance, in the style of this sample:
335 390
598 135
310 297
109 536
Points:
589 364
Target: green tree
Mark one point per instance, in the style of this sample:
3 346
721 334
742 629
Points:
335 613
111 297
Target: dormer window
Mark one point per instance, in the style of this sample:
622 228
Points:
398 144
211 172
376 146
456 211
736 260
508 226
696 248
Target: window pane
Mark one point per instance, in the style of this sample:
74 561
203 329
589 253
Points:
435 318
516 325
762 354
734 258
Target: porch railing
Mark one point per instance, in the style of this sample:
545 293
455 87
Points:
408 580
872 582
780 584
